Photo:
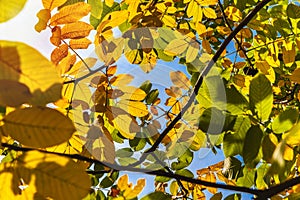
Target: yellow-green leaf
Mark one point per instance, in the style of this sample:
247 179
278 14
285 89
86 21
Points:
13 93
38 126
176 47
125 125
132 93
10 8
20 62
70 13
51 4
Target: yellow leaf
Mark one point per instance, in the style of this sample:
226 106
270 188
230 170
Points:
10 8
233 13
110 3
195 11
110 51
132 93
123 182
115 18
73 146
82 43
209 13
169 21
44 15
76 30
55 38
179 79
132 193
176 47
288 153
121 80
207 2
125 125
296 75
70 13
25 64
13 93
38 126
211 177
59 53
292 137
66 64
51 4
175 104
134 108
35 167
132 8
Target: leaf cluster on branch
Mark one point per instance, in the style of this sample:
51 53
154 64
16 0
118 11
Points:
71 123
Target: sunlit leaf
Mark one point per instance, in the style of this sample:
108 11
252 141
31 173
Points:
126 125
82 43
176 47
51 4
34 167
233 13
292 137
76 30
38 126
285 121
121 80
44 15
209 13
59 53
70 13
134 108
55 38
261 97
207 2
22 63
10 8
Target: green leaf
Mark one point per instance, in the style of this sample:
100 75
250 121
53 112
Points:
233 143
97 7
183 161
261 97
146 86
125 152
293 11
110 179
185 172
217 196
38 126
10 8
260 174
252 143
212 121
152 96
247 178
285 121
137 143
157 196
162 179
236 102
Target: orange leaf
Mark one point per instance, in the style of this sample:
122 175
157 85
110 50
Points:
239 80
71 13
66 63
59 53
76 30
51 4
44 15
56 35
82 43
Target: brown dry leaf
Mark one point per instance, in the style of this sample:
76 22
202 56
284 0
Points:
239 80
263 66
206 46
55 38
76 30
71 13
296 75
82 43
59 53
51 4
44 15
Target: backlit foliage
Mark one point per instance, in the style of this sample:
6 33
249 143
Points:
70 123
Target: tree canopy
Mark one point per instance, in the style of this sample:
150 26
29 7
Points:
69 124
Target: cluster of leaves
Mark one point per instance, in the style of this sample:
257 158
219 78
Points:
62 119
